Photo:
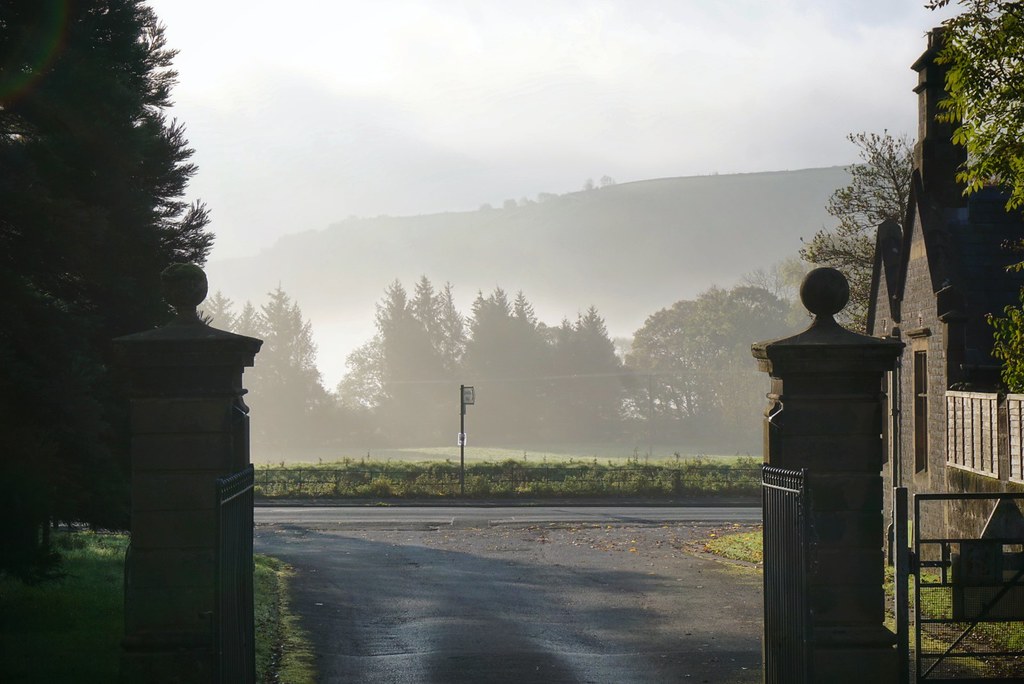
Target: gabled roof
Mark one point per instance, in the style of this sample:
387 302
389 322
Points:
885 272
966 256
933 222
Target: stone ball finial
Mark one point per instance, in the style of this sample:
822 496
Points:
824 292
184 287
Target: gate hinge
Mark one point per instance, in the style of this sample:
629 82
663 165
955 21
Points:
912 562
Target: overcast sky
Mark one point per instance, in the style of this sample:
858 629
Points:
306 112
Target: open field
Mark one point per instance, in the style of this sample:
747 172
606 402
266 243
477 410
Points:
605 453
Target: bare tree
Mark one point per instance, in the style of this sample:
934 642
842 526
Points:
879 189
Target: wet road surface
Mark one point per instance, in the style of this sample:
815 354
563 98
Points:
578 601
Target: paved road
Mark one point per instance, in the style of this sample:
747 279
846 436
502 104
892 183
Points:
566 595
424 517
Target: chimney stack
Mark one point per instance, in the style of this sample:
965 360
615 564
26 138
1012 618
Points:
935 156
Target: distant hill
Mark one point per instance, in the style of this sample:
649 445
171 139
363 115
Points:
628 249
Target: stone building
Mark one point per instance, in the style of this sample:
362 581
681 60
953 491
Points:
934 280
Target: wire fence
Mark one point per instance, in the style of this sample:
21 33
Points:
511 480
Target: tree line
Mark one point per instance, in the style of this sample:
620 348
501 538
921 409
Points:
687 374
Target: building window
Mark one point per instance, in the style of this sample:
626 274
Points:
920 411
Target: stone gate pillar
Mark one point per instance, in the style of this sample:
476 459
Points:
189 426
826 414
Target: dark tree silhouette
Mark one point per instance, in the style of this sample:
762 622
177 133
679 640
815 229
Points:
92 179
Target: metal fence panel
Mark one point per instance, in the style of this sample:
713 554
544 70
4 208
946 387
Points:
969 589
234 623
787 628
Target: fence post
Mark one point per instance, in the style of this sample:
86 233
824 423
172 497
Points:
826 415
189 426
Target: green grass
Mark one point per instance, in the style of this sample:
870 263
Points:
742 546
566 478
282 648
70 629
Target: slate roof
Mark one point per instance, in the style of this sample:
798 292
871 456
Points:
967 256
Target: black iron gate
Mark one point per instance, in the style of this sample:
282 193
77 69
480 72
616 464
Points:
968 596
234 625
787 532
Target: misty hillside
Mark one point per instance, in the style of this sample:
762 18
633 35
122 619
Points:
628 249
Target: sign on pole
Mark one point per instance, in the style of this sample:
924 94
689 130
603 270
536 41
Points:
468 396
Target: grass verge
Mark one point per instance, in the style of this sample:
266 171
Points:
283 651
70 629
741 546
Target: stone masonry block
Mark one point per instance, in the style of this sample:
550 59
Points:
173 529
162 490
168 666
824 453
846 604
854 665
846 491
172 568
177 415
848 529
182 452
179 610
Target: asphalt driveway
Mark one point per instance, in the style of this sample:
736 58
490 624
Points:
552 602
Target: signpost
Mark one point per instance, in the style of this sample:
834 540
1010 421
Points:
467 396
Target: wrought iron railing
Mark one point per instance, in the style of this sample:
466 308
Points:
787 628
234 629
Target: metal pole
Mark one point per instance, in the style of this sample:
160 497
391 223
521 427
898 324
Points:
901 576
896 420
462 440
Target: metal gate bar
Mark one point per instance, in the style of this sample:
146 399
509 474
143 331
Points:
785 544
953 600
234 624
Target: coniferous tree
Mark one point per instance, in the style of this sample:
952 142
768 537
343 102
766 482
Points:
593 405
218 311
285 389
451 340
506 359
414 377
426 308
402 382
92 179
248 322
